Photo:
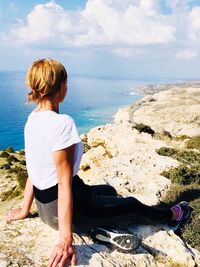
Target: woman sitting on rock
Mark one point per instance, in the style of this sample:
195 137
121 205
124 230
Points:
53 151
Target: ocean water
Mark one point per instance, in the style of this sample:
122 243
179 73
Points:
90 101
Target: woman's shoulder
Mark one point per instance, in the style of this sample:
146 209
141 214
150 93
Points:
65 118
64 121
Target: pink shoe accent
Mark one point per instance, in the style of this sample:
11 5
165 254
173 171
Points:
178 211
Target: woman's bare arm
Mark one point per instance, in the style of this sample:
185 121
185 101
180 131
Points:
21 213
64 167
28 197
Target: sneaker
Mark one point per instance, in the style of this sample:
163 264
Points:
124 242
184 215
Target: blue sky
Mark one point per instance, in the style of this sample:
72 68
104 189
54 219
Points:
103 38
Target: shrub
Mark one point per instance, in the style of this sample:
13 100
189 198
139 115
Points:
187 157
194 142
181 137
9 194
192 230
21 152
86 147
6 166
144 128
12 158
166 151
188 172
22 162
9 149
4 154
21 178
183 174
17 169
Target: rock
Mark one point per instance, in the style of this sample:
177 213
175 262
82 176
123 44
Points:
4 262
29 243
83 137
93 157
166 246
130 157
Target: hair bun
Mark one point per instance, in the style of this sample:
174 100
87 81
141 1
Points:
33 95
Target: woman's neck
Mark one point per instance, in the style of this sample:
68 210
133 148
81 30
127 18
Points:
47 105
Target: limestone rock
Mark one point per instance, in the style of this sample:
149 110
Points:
132 166
29 243
93 157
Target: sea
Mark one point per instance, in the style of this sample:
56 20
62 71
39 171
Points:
90 101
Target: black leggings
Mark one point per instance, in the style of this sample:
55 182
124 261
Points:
97 206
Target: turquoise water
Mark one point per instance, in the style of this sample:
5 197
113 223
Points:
90 101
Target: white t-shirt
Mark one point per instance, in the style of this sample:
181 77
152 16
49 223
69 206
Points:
45 132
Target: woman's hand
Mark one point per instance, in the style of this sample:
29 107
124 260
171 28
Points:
63 253
16 214
21 213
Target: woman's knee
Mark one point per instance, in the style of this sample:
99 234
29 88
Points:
104 190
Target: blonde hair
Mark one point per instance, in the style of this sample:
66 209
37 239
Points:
44 78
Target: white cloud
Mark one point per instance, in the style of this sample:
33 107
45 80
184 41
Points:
137 24
127 52
125 28
46 22
186 54
194 24
101 22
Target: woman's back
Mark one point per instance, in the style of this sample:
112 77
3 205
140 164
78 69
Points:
45 132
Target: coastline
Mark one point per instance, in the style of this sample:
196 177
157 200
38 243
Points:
152 89
90 102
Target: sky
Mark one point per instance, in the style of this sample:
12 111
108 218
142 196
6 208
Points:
104 38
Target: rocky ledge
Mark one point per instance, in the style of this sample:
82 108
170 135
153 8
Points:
128 154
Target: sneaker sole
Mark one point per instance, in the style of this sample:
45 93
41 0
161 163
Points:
124 242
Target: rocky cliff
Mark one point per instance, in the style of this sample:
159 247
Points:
125 154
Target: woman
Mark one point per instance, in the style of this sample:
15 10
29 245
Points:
53 151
